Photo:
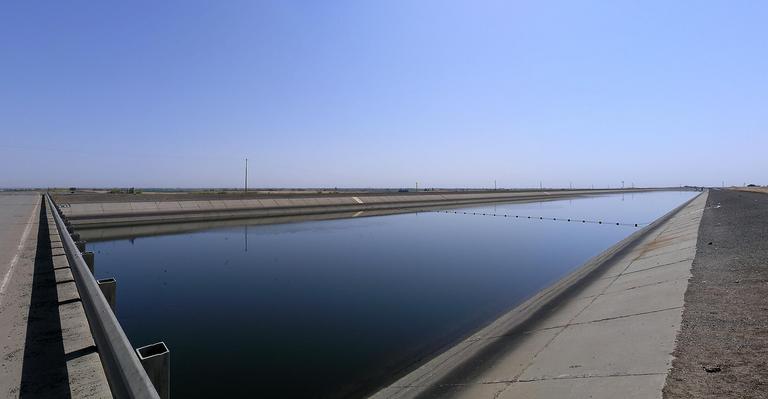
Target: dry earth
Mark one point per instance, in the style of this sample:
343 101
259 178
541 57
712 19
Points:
722 349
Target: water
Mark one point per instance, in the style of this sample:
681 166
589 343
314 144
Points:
336 308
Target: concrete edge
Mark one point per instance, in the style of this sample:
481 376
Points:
98 233
432 372
218 219
220 214
159 215
128 213
83 361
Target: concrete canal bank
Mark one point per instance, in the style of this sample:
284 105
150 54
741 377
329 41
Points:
607 330
105 210
376 294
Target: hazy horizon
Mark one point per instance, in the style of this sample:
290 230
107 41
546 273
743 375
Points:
341 188
346 94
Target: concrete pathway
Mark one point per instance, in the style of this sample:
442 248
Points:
47 349
613 338
16 222
19 219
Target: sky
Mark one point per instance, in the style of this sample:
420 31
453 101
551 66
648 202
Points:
383 93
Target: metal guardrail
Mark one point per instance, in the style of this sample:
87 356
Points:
125 374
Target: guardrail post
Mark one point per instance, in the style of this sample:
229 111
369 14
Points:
88 258
156 359
108 288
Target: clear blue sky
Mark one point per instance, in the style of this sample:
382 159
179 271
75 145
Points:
383 94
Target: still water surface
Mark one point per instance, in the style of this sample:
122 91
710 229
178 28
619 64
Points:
336 308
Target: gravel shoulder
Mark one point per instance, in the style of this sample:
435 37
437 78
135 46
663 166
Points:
722 348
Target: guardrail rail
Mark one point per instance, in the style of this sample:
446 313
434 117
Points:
126 376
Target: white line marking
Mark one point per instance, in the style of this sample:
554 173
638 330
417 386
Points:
357 214
15 259
358 200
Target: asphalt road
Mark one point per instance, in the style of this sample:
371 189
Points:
722 349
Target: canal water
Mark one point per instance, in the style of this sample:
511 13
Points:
337 308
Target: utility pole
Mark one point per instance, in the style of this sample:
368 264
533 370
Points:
494 185
246 175
622 184
541 187
570 184
417 187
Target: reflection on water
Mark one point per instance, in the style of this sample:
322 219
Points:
336 308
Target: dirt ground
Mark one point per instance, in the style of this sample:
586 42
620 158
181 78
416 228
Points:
754 189
722 349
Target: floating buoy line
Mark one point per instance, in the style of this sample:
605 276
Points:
570 220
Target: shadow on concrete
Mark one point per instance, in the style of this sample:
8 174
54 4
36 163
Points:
44 371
